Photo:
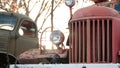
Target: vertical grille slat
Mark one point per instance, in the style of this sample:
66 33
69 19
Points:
88 42
80 49
91 41
83 42
72 42
98 41
108 53
76 39
103 41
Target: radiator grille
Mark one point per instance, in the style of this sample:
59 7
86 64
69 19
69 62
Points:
90 41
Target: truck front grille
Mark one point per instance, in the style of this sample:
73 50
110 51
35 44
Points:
90 41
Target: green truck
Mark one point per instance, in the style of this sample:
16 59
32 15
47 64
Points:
18 33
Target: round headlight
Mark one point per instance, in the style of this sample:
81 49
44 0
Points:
57 37
70 3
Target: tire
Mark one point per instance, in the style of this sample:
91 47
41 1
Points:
6 60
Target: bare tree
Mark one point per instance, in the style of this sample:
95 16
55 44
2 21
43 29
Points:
28 6
46 7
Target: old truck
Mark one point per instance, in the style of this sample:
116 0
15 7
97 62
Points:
18 33
94 39
18 36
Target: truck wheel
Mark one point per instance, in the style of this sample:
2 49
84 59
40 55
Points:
6 60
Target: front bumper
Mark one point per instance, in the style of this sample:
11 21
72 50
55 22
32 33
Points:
67 66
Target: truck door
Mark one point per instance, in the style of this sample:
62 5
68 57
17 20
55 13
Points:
27 37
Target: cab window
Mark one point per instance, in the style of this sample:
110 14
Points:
27 29
7 22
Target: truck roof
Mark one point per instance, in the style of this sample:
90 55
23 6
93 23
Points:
17 15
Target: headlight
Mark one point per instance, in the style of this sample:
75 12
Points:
70 3
57 37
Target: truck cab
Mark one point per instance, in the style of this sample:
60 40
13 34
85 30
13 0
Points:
18 33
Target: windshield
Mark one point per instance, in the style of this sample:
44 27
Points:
7 22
